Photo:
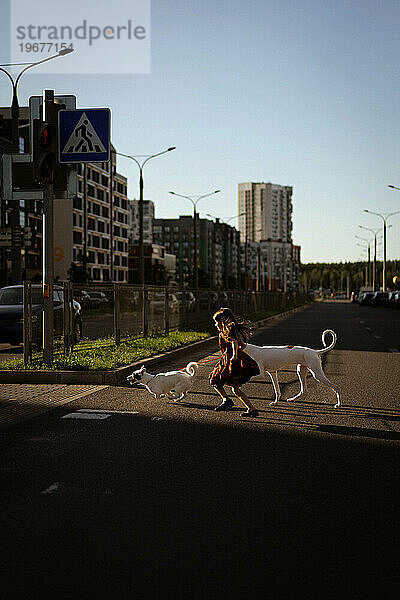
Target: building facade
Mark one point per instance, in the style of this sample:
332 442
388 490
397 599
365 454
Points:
265 212
100 221
218 250
269 259
133 220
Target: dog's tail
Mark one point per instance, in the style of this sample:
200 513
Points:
192 368
327 348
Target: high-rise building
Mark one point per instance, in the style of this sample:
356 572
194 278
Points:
218 246
100 226
265 211
269 259
133 220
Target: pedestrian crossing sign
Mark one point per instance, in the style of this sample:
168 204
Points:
84 135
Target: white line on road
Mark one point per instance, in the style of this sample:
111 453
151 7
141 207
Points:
377 337
52 489
110 412
79 415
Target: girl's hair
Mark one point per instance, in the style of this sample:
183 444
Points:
233 327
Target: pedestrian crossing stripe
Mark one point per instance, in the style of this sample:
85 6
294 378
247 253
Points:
83 138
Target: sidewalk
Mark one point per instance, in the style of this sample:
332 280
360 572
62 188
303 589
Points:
19 402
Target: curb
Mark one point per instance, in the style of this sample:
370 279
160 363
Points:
119 375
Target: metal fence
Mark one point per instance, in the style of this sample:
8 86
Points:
84 312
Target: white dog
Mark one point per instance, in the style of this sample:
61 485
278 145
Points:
173 384
273 358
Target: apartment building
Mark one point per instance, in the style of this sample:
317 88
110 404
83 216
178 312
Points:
133 220
265 212
217 250
100 221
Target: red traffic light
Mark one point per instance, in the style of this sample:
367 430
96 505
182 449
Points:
46 136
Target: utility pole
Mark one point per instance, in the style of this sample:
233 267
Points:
48 248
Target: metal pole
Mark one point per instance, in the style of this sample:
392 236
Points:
195 266
48 273
117 320
384 257
111 219
48 252
85 220
141 253
374 271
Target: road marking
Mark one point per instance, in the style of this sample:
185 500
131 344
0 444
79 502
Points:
361 322
394 350
368 328
378 337
52 489
78 415
108 412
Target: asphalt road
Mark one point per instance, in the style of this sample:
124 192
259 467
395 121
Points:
156 500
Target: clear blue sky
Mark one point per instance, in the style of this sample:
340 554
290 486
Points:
301 93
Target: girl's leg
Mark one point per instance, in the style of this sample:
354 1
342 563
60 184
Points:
226 401
251 410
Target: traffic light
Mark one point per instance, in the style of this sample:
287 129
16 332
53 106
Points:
44 151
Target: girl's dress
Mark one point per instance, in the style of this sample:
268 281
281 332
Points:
224 372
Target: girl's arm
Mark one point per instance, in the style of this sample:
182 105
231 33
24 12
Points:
235 346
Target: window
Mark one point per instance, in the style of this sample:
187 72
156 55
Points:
77 237
90 190
100 194
104 180
105 212
77 203
91 224
100 226
96 241
105 243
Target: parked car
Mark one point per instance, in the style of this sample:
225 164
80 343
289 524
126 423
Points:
392 299
365 298
93 299
157 303
189 299
395 300
379 298
11 314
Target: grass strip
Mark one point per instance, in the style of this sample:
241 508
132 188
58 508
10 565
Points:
104 355
110 357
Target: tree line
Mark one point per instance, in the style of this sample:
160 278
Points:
335 276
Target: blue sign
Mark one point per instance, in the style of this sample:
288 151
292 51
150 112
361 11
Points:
84 135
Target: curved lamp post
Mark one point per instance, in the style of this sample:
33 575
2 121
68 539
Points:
15 81
369 259
384 219
141 186
194 200
394 187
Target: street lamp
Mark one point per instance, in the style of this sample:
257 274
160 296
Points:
384 218
14 82
141 165
394 187
227 220
369 259
194 200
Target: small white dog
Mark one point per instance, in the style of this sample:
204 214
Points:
173 384
271 359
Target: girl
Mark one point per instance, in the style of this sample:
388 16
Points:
234 367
